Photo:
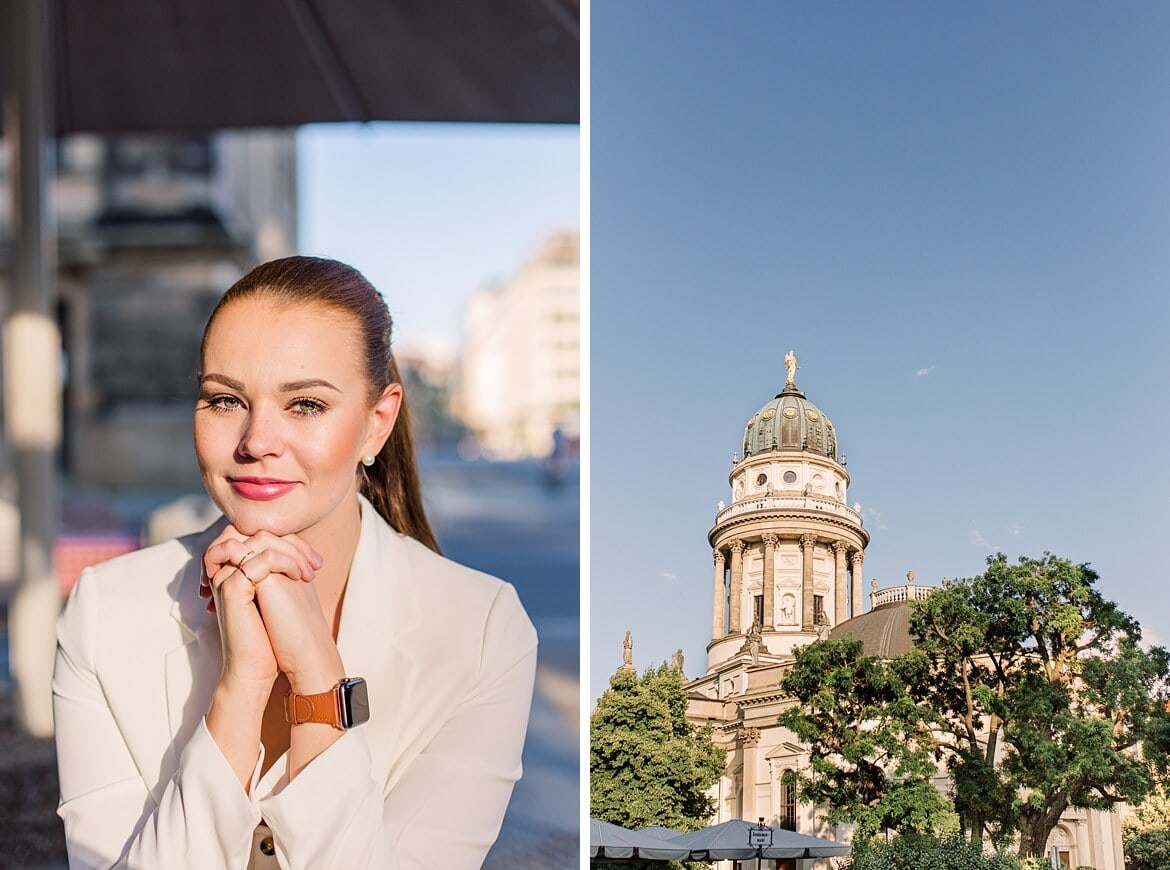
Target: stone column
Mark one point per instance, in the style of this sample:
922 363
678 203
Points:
736 548
807 542
719 607
858 606
840 582
770 542
750 740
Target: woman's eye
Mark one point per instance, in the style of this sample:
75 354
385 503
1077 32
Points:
307 407
222 402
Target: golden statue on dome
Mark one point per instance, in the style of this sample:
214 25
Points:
791 367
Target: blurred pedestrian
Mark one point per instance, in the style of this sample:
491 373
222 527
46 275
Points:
307 682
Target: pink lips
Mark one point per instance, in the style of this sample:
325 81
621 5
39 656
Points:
262 488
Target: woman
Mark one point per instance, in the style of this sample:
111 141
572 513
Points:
211 693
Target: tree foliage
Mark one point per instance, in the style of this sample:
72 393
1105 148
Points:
647 764
926 852
1146 834
857 716
1025 683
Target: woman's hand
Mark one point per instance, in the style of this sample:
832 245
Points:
264 571
233 565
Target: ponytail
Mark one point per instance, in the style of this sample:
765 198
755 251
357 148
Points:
392 482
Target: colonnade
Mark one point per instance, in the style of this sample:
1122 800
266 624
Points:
846 556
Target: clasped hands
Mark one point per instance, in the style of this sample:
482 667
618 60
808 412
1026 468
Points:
270 618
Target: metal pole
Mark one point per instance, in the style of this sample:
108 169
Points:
32 360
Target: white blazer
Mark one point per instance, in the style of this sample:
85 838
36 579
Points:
449 657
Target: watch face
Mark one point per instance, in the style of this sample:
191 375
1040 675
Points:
355 703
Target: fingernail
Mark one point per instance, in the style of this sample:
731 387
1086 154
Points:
317 559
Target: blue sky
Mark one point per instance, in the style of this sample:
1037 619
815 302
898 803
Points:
957 215
433 212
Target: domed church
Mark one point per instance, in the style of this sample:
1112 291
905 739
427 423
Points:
788 552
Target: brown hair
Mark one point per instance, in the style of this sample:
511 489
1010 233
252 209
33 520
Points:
391 483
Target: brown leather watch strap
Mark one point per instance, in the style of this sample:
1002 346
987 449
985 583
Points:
322 707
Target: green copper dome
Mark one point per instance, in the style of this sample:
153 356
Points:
790 422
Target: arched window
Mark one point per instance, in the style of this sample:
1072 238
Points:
788 800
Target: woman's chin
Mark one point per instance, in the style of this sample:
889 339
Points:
250 519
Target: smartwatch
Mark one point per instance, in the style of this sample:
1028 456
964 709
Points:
345 705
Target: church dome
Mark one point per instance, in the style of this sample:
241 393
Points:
790 422
883 631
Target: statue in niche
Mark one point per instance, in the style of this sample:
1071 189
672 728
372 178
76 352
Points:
790 368
788 610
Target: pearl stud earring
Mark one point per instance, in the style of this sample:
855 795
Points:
367 461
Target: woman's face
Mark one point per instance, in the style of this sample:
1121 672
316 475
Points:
284 416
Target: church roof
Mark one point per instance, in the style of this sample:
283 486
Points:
790 422
884 631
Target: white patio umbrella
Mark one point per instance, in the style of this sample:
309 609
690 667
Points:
661 832
732 840
607 840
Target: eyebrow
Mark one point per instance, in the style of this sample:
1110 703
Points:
286 387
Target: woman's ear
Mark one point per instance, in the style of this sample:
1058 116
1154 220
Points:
382 418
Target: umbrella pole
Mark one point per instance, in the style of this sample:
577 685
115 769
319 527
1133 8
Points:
32 360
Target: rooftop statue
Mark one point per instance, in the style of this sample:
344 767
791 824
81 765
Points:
791 367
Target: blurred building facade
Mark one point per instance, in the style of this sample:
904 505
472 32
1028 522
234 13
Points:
151 230
520 380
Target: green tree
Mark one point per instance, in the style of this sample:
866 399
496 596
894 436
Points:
647 764
1025 683
1044 696
925 852
867 761
1146 834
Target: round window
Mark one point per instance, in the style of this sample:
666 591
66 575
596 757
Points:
761 479
790 477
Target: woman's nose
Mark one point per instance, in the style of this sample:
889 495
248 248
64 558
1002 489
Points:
261 436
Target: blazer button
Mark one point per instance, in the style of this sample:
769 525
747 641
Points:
267 846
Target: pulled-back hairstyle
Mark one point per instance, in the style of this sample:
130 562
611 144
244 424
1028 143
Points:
391 483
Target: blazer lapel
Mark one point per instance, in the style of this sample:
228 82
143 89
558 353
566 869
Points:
193 668
379 639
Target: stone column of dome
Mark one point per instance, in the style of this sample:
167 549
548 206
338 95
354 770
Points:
736 548
719 607
858 605
807 542
840 583
770 542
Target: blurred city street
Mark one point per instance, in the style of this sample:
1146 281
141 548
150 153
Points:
507 519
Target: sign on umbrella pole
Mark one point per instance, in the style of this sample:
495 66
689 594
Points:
760 836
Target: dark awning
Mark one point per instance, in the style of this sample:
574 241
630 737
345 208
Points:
178 65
